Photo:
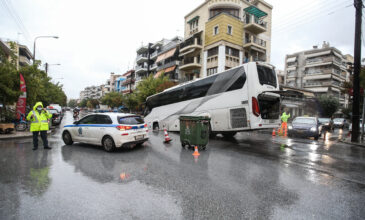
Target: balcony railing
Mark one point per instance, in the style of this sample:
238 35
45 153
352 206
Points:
190 60
190 42
255 40
255 20
141 56
140 67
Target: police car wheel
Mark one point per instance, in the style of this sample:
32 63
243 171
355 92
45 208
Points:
67 139
108 144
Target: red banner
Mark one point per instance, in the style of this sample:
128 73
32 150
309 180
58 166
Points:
20 106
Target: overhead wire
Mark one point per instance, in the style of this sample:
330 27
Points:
16 18
309 17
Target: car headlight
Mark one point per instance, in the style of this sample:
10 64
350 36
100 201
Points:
313 129
290 127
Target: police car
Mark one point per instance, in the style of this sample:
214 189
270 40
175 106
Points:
110 130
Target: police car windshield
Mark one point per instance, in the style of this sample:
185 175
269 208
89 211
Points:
130 120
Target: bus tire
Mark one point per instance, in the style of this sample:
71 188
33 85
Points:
155 126
211 133
229 134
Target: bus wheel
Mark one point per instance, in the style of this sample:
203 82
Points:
156 127
229 134
211 133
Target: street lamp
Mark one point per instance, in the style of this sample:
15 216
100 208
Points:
47 65
35 39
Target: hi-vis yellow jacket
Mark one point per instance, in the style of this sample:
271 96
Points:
39 122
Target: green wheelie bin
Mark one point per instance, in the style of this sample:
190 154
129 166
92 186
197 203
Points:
194 131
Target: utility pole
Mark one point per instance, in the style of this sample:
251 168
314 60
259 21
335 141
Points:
46 68
356 80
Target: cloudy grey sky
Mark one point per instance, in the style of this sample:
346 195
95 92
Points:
99 37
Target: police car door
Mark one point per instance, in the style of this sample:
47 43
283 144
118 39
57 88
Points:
104 123
85 128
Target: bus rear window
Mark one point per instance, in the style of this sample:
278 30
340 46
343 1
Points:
130 120
267 76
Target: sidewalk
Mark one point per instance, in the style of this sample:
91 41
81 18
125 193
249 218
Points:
347 140
18 134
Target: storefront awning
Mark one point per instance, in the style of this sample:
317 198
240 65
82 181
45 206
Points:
167 70
255 11
166 55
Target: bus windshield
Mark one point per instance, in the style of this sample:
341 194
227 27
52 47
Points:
267 76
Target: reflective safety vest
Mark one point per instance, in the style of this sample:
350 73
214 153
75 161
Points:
285 117
39 122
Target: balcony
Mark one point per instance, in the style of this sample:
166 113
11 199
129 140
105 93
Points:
154 66
317 84
167 65
24 61
154 55
321 61
254 25
190 63
141 69
141 58
190 44
255 43
128 81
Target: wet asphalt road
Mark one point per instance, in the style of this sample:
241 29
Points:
252 176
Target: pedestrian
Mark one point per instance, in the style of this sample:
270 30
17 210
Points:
39 124
284 121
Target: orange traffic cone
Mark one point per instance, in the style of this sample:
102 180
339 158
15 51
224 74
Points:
196 152
167 138
273 132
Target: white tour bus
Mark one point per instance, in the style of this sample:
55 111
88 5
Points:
239 99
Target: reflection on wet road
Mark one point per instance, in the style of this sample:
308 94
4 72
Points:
250 176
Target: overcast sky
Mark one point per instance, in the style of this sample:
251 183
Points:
99 37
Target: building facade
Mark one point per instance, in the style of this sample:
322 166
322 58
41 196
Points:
221 34
159 57
128 84
118 84
167 61
320 70
91 92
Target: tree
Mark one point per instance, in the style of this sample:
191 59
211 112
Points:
150 86
113 99
9 80
130 101
328 105
72 103
89 104
83 103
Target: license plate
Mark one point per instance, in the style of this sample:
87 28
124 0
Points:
272 121
138 137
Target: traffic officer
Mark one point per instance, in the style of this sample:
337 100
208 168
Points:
39 123
284 123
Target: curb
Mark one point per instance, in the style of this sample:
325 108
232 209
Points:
350 143
28 135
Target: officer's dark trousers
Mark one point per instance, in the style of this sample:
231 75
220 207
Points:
43 136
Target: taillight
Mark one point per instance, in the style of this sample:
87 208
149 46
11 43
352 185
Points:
145 125
123 127
255 107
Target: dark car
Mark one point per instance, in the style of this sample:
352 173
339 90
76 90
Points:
326 123
56 116
305 127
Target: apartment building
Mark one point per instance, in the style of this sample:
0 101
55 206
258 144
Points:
167 61
21 52
119 87
321 70
110 83
158 57
91 92
128 84
6 50
221 34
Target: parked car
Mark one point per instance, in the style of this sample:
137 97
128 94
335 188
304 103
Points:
56 116
109 130
326 124
305 127
340 123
